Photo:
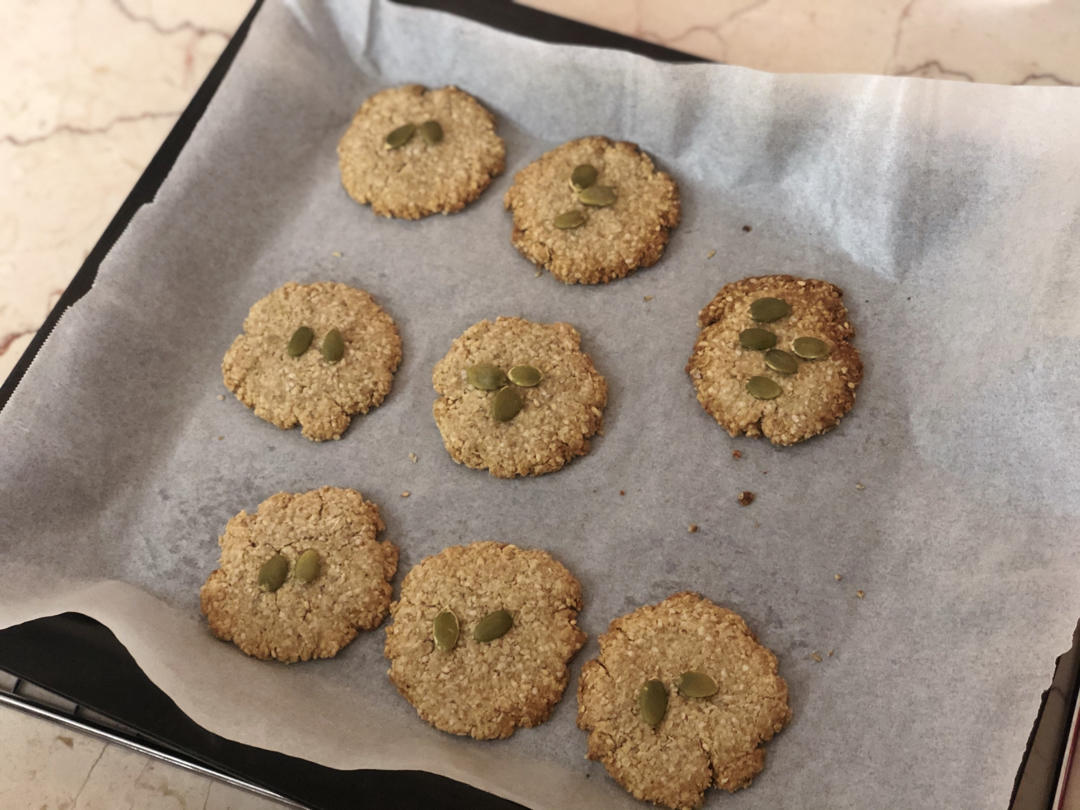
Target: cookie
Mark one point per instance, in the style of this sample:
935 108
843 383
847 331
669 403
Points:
435 169
484 688
313 389
671 754
809 393
609 241
332 575
556 417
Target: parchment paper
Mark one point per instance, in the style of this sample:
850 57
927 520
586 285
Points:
947 212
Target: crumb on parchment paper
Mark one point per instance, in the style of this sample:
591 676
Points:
746 497
736 453
692 528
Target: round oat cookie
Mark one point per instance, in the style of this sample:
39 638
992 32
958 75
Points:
700 741
301 620
485 689
420 178
614 240
814 398
321 395
557 416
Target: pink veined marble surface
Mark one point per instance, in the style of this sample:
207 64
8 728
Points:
997 41
90 89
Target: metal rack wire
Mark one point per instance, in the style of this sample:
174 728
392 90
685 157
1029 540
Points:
33 700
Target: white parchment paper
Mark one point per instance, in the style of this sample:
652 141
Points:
950 215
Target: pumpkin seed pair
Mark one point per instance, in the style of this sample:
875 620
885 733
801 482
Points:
430 131
333 345
273 572
779 361
583 183
653 697
446 629
507 402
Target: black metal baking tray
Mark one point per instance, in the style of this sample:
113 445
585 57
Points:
80 660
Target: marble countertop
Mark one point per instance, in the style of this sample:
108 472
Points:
92 88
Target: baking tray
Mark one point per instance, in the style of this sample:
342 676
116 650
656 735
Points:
90 680
102 690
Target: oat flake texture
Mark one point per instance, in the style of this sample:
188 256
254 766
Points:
557 418
320 395
814 398
616 239
418 178
301 621
700 742
485 690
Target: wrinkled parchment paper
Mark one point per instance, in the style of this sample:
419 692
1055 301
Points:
947 212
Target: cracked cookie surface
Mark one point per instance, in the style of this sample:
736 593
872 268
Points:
813 399
557 418
300 621
700 742
320 395
419 178
485 690
616 239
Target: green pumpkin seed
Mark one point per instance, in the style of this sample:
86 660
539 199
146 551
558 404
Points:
400 136
273 572
652 702
810 348
486 377
781 362
767 310
583 176
333 346
506 404
598 196
300 340
525 376
568 220
763 388
494 625
696 685
445 630
757 339
308 566
431 132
